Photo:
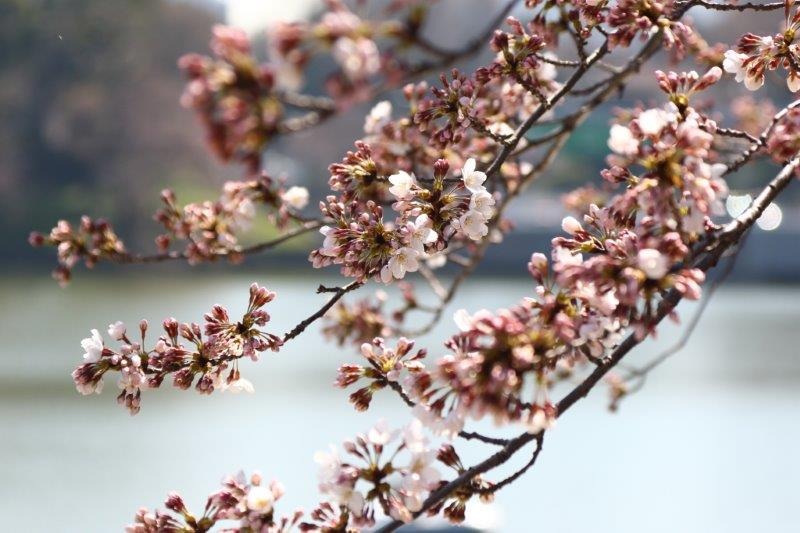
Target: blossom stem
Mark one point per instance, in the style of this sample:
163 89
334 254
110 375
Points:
338 293
747 6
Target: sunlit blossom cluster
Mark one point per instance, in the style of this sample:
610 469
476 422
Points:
92 241
429 215
233 95
387 469
212 229
205 356
755 55
603 279
241 505
367 318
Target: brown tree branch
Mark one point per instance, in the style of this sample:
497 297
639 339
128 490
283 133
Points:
747 6
338 292
519 473
304 228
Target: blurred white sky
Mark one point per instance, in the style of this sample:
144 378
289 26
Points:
253 15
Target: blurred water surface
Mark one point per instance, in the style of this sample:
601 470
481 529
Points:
710 443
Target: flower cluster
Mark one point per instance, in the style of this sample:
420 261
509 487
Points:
182 352
672 146
630 18
349 39
371 475
248 502
234 97
211 228
486 372
783 142
518 58
454 507
429 215
756 54
366 319
386 365
478 112
605 277
474 223
91 241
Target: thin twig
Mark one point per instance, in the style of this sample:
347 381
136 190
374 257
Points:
738 134
747 6
250 250
338 292
519 473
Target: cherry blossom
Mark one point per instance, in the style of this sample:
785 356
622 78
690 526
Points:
296 197
402 183
93 346
473 179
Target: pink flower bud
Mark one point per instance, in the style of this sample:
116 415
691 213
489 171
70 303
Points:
571 225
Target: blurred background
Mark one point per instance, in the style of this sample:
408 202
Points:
91 124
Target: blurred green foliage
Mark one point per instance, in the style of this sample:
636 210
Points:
91 123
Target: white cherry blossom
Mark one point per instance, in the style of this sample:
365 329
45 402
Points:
473 179
652 121
564 257
295 197
473 224
359 58
653 263
483 202
242 214
379 116
793 82
93 346
733 64
540 421
402 183
436 261
404 260
381 434
622 141
116 330
462 319
329 243
260 499
422 233
240 385
571 225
